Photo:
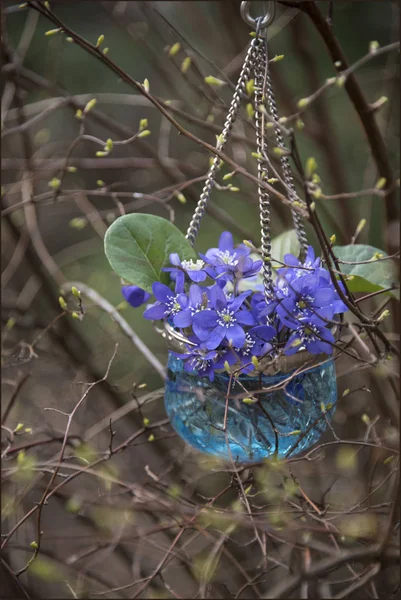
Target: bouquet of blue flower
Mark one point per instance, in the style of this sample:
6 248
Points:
224 323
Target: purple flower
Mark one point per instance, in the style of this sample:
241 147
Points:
134 295
169 303
225 257
196 271
197 302
223 321
307 296
262 309
313 336
337 304
296 268
256 344
200 361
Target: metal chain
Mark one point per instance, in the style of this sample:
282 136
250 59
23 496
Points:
232 114
285 163
264 199
257 63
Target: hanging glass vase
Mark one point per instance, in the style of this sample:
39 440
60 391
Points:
253 418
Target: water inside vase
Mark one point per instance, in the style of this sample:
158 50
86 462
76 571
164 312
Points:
196 408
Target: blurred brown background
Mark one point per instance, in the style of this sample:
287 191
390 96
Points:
101 534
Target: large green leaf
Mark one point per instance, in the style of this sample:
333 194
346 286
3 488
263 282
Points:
371 276
138 247
285 243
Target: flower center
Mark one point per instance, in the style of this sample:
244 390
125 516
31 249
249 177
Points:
309 332
249 344
227 318
197 308
190 265
227 258
199 363
173 306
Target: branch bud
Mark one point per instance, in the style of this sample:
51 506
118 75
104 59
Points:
303 102
50 32
213 81
90 105
62 303
54 183
373 46
386 313
100 41
250 111
186 63
311 166
381 183
175 48
277 58
250 87
144 133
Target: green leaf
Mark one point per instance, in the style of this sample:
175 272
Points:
138 246
369 277
285 243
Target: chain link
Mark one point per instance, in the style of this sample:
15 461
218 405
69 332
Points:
240 89
285 163
264 198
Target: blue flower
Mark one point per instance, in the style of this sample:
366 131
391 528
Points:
225 257
135 295
313 336
263 310
196 271
256 344
197 302
199 360
308 294
296 268
223 321
169 303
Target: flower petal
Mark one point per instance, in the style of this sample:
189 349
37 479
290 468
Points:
236 335
214 338
323 296
226 241
183 319
195 295
203 322
196 275
155 312
291 260
134 295
264 332
217 298
239 300
175 259
162 292
293 344
244 317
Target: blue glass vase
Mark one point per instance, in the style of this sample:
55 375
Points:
196 408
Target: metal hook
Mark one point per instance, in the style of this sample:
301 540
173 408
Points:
258 23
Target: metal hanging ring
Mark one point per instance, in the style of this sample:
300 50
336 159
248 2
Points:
266 20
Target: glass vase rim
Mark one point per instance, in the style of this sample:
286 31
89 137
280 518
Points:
270 367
